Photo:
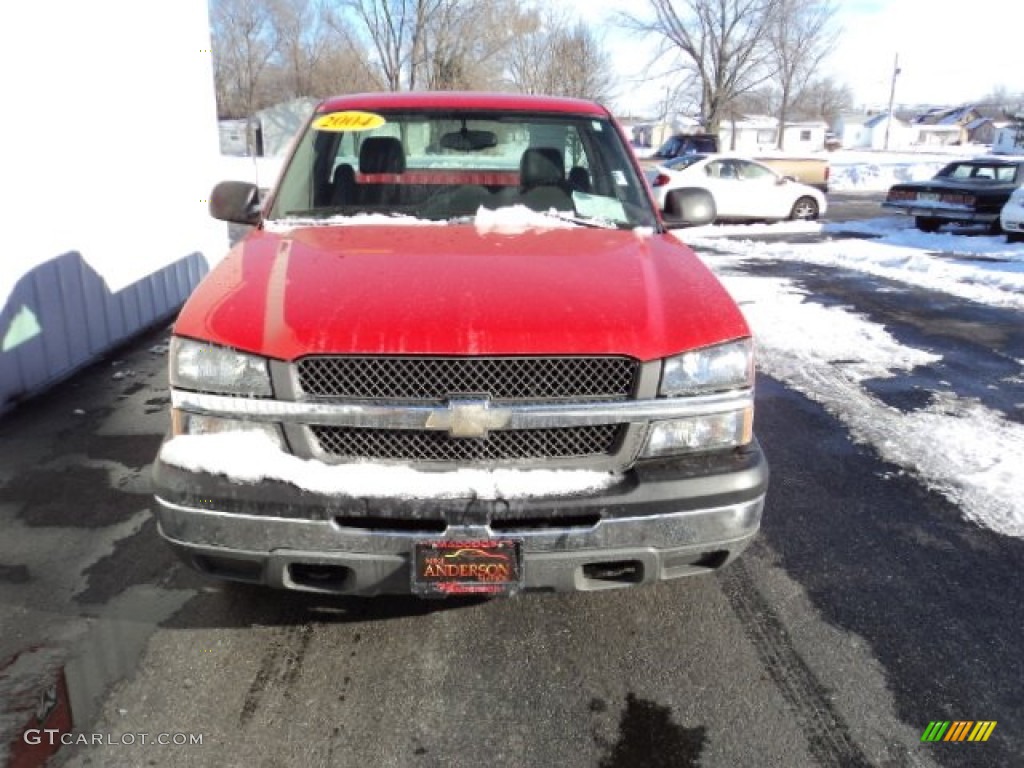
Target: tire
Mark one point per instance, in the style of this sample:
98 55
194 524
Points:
1015 237
927 223
805 209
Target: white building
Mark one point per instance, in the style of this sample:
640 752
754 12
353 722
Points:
760 133
1009 141
107 171
857 131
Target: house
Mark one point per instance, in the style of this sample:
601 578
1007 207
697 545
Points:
938 135
877 131
758 133
981 130
806 136
748 134
965 124
849 129
1009 139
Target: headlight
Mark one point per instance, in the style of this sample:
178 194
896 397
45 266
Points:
209 368
711 369
716 431
184 423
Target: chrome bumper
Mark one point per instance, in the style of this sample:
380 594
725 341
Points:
322 556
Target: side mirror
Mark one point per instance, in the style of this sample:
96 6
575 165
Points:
236 201
785 180
689 208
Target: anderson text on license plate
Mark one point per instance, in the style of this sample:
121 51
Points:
467 567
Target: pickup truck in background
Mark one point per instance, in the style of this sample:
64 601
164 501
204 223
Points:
807 169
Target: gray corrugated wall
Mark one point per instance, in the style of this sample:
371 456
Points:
73 318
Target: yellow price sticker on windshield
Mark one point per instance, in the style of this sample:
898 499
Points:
348 121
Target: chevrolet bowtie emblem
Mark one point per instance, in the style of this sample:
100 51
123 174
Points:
468 418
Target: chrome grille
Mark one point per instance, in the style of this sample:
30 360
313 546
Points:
508 379
504 445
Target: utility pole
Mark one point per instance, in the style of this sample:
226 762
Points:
892 95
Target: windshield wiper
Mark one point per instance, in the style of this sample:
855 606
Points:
326 212
583 222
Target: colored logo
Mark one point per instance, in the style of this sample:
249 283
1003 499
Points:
958 730
348 121
475 552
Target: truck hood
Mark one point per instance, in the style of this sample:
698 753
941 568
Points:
451 290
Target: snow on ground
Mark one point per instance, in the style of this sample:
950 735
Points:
986 269
758 228
873 171
251 457
956 446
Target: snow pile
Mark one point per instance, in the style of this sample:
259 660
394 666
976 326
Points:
984 269
957 447
516 220
252 457
867 171
758 228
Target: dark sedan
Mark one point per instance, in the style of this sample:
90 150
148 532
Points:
964 192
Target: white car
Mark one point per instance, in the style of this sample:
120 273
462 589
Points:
1012 217
741 188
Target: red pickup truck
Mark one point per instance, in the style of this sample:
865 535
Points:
458 353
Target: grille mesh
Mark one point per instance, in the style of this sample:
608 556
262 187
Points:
509 379
504 445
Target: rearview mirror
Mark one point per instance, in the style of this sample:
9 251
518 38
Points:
689 207
469 141
236 201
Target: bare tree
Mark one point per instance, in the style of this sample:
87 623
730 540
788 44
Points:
303 35
823 99
580 65
801 34
723 44
464 43
242 50
317 54
524 58
550 55
396 29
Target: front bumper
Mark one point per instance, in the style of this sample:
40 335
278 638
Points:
664 520
961 215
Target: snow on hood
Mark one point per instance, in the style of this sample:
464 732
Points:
358 220
252 457
516 220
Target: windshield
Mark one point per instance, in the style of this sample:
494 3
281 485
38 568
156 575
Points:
447 165
685 161
979 171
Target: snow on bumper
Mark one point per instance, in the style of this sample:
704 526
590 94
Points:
668 519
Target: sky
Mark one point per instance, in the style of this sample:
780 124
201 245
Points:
950 51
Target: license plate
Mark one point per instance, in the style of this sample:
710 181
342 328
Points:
477 567
928 197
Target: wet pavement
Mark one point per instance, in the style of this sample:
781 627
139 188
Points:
867 608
